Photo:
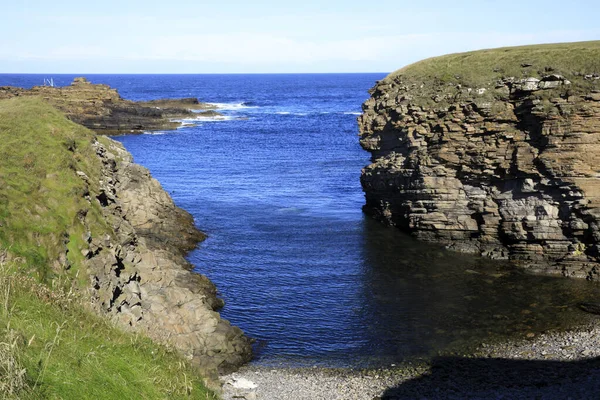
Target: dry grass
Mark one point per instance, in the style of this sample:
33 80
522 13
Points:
12 372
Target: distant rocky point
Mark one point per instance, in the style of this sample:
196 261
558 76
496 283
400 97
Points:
494 152
102 109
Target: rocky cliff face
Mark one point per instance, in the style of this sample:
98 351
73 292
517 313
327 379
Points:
138 273
77 213
508 168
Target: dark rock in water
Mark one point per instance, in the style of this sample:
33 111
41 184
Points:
189 103
209 114
102 109
593 308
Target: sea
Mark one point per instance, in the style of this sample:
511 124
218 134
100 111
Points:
274 182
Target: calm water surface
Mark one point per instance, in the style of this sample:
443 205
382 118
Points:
275 185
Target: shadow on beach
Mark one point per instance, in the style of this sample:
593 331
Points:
497 378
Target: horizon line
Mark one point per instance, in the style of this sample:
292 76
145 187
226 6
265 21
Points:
189 73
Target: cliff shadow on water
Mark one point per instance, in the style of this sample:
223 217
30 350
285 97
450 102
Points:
423 300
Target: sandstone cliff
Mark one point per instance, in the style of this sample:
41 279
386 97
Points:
494 152
102 109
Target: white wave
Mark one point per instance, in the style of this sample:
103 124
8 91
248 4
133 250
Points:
195 121
352 113
154 133
231 106
216 118
291 113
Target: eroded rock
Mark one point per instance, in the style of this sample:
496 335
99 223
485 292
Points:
139 275
513 175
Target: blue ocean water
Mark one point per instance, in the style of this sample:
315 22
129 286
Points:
275 185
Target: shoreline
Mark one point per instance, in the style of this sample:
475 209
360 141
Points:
102 109
550 365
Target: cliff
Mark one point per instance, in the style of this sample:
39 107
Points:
102 109
76 211
495 152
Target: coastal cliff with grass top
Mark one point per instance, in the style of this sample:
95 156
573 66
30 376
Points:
494 152
92 265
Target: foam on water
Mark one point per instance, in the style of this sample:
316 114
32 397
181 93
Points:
154 133
232 106
297 114
194 121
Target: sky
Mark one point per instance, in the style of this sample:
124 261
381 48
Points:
181 36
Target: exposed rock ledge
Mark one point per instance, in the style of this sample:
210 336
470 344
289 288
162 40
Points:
102 109
494 152
139 275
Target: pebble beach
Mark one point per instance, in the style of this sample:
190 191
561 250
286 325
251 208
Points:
553 365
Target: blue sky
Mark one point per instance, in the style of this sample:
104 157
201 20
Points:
180 36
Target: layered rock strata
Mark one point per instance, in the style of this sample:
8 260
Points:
102 109
139 275
508 169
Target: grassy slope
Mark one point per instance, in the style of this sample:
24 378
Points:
484 67
40 192
67 352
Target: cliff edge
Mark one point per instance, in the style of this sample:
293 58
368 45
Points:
494 152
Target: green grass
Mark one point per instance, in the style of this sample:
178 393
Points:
40 192
69 353
479 67
51 346
483 68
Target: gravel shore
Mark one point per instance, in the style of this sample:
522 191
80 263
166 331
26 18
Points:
554 365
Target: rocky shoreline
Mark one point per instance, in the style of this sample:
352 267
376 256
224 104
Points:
102 109
549 366
129 238
139 275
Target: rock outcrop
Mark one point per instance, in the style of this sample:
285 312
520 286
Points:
139 274
102 109
75 211
498 164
